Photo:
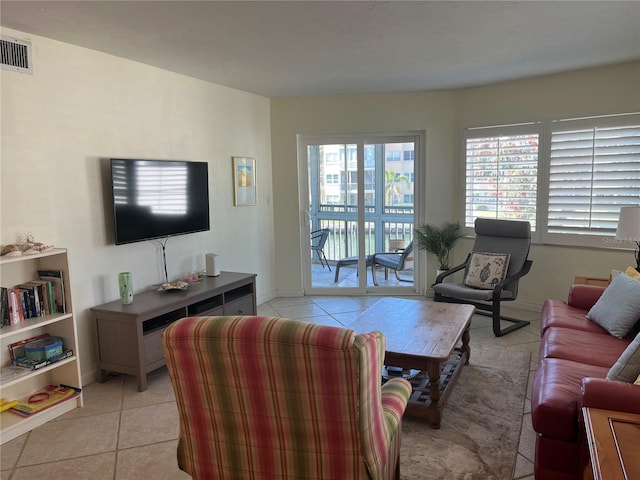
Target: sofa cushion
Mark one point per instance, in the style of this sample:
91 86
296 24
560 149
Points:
627 367
556 313
618 309
582 346
555 394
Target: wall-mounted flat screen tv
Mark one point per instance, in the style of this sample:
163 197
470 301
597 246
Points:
158 198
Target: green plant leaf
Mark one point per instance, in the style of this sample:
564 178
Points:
438 241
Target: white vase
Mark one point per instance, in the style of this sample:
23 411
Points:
446 279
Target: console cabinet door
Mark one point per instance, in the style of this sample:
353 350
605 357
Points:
242 306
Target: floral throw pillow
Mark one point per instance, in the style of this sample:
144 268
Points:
486 269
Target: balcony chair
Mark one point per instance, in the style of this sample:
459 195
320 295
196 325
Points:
318 239
397 261
487 283
277 399
349 261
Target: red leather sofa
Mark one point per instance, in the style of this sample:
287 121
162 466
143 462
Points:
575 356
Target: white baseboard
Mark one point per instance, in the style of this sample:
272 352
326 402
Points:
290 293
90 377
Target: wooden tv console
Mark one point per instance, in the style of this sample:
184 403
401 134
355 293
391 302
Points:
129 335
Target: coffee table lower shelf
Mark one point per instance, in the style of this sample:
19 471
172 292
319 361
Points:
420 403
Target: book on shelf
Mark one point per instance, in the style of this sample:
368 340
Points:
43 399
11 372
6 405
4 307
22 304
34 364
45 291
37 292
16 314
57 280
13 317
31 298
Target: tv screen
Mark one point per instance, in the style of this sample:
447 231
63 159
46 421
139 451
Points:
158 198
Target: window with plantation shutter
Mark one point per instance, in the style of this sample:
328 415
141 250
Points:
593 171
567 177
501 175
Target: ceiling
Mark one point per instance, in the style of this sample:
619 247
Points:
320 47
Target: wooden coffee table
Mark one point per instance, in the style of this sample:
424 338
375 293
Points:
423 335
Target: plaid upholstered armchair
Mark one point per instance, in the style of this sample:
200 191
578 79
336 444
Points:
267 398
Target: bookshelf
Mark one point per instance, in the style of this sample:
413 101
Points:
14 271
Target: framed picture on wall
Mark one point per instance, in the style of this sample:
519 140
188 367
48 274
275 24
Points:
244 181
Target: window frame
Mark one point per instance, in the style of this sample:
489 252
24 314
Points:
546 128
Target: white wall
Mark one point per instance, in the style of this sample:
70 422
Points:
442 114
81 107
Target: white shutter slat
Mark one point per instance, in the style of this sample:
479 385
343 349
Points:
593 171
501 177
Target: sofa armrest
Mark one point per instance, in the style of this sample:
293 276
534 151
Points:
584 296
606 395
609 395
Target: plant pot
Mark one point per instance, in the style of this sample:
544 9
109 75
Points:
438 272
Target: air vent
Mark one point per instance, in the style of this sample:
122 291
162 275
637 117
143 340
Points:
15 55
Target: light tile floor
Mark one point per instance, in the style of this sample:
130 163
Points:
124 434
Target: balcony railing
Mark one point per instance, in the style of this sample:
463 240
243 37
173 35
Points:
395 229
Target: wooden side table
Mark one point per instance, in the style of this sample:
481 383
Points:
613 444
600 282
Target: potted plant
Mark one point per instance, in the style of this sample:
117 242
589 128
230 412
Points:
439 241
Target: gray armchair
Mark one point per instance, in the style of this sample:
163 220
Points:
492 237
396 261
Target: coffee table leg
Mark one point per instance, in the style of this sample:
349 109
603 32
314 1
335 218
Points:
465 344
434 410
433 369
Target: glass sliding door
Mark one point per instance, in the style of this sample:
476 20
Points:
358 200
332 206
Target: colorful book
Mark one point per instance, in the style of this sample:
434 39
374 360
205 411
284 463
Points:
32 302
4 307
34 290
15 306
57 280
22 304
45 293
4 405
14 318
43 399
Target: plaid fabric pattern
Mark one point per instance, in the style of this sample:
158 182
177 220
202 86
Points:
265 398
